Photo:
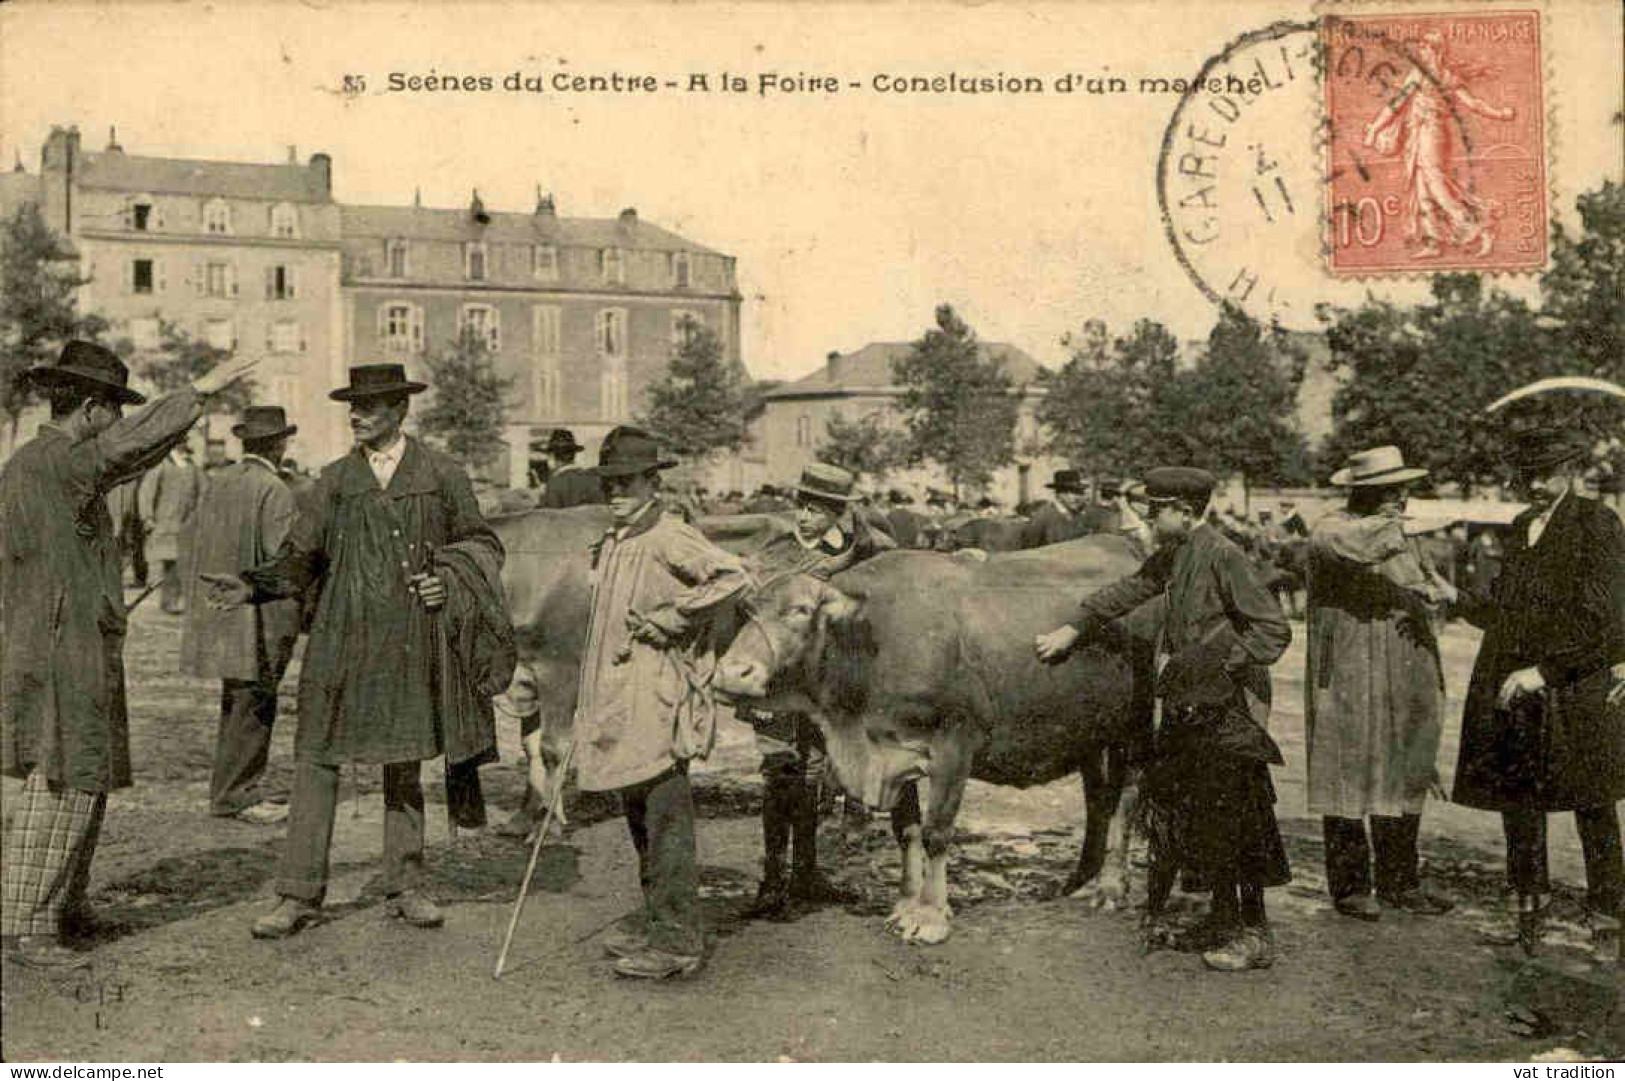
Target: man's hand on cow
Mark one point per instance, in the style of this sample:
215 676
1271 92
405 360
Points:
1447 592
1436 791
226 591
1523 682
1616 696
430 590
1053 647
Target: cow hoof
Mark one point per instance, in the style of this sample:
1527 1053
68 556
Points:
903 914
931 928
1107 893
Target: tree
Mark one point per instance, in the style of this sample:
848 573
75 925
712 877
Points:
1109 410
39 279
958 403
1235 408
470 401
1583 292
867 446
181 358
699 405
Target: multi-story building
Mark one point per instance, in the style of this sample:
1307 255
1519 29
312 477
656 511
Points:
238 255
582 313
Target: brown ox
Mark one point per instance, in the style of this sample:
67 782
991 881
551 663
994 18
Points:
920 669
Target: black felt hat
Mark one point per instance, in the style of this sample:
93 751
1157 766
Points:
375 380
628 451
91 367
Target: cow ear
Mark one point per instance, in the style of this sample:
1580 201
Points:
839 608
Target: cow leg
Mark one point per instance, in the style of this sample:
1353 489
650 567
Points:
944 789
905 827
1101 877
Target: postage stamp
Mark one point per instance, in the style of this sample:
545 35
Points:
1436 148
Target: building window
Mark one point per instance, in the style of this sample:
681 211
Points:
679 270
613 403
804 431
285 337
611 336
217 217
545 348
395 257
279 282
483 322
141 217
219 334
141 275
144 333
474 254
400 327
612 262
217 280
544 262
285 221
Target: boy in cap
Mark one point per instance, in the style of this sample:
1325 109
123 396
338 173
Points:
1209 799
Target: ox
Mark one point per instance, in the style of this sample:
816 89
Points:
920 669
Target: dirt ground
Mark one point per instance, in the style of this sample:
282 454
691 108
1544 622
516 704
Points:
177 977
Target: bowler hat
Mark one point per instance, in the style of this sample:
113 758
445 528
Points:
899 497
828 483
559 441
263 422
1375 468
1538 449
1176 483
628 451
373 380
91 367
1068 480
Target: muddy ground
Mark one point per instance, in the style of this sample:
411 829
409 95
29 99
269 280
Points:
176 976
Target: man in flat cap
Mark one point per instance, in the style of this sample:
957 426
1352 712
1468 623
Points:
829 536
1373 689
1543 727
568 485
245 513
409 642
63 725
656 583
1209 799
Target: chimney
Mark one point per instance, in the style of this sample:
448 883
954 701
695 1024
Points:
629 218
112 141
18 168
293 154
322 166
417 197
476 209
832 366
59 164
544 203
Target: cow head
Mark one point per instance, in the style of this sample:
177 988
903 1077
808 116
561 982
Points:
776 657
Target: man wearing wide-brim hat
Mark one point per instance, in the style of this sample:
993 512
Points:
245 513
1209 800
1543 727
409 642
829 536
1063 519
568 485
63 724
639 720
1374 689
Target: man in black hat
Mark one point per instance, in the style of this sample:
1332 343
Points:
829 536
63 725
245 513
568 485
1062 520
638 721
409 642
1209 799
1543 727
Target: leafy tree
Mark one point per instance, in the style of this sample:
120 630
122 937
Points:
700 403
470 401
181 358
1583 293
1110 408
39 277
958 403
867 446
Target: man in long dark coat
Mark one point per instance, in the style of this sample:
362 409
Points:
1543 728
1064 519
568 485
245 513
63 726
406 649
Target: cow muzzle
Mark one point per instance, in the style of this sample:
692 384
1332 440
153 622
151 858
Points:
741 679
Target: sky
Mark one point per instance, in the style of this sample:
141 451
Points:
852 214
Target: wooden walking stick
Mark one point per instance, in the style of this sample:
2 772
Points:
535 851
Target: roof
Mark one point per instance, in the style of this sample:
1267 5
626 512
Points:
870 368
118 171
432 223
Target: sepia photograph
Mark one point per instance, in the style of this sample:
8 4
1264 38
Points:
812 532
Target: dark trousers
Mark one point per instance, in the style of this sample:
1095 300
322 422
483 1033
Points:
1599 841
660 817
303 873
1349 855
243 743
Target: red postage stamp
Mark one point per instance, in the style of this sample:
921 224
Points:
1437 143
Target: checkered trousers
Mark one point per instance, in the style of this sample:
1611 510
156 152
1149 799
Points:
49 843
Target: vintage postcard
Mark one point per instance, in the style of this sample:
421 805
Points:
542 391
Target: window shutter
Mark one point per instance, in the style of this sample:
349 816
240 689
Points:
290 278
496 330
382 328
156 217
270 337
270 282
129 212
128 283
231 279
301 330
158 282
417 329
200 278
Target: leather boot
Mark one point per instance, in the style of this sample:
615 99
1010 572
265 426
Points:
773 895
807 883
